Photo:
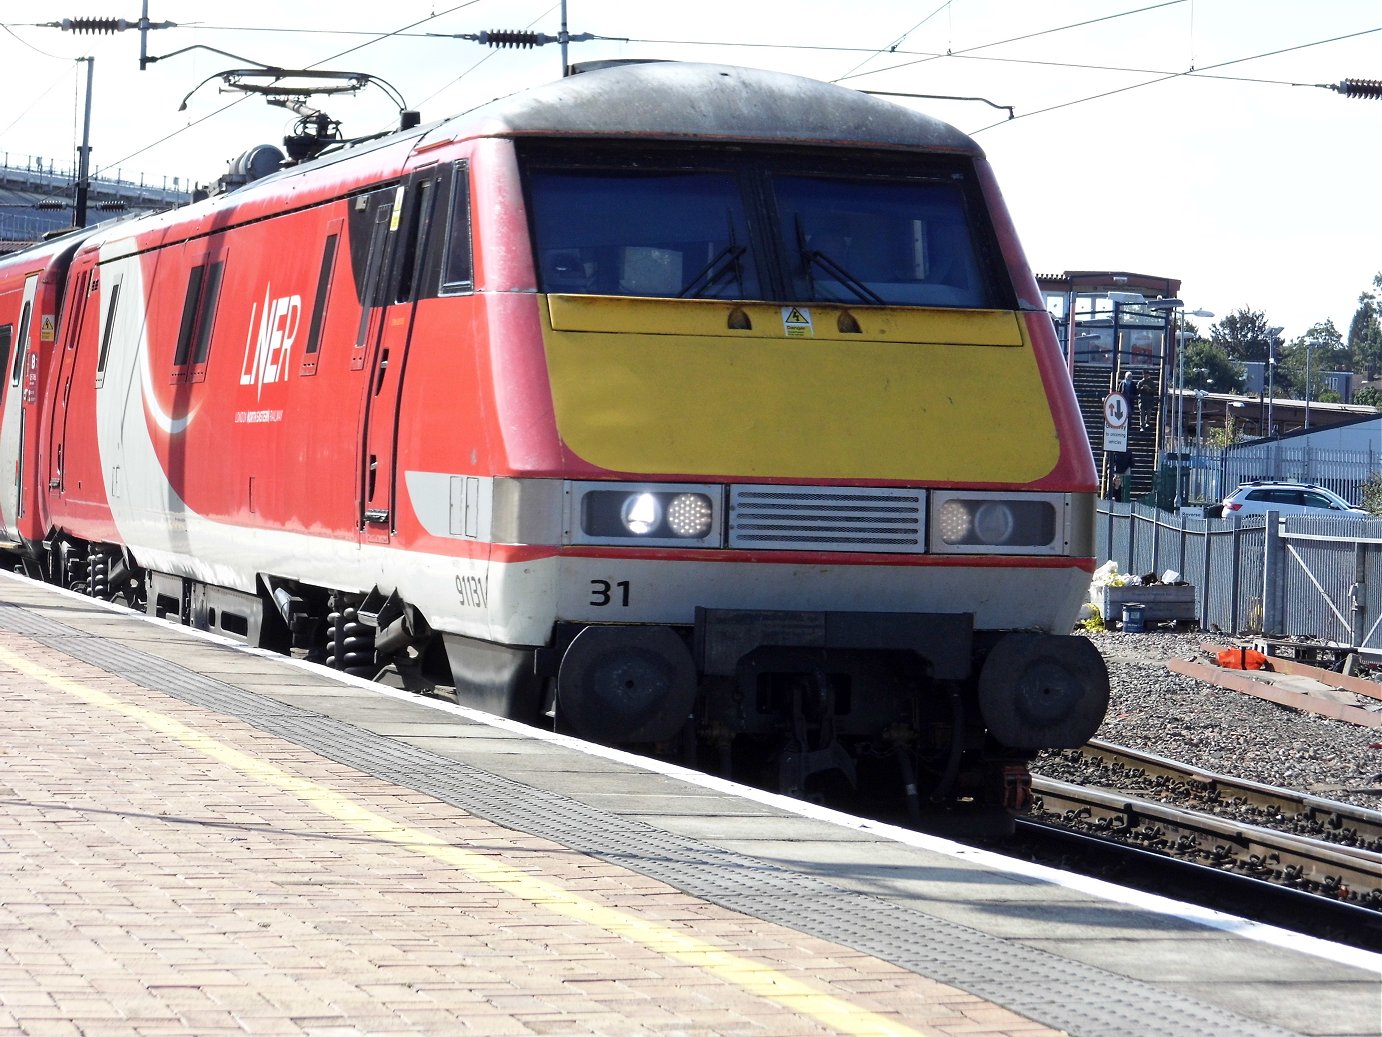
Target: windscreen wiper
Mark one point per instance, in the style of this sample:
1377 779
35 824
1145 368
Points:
725 262
811 257
815 257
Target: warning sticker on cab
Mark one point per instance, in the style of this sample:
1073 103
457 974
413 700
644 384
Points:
796 322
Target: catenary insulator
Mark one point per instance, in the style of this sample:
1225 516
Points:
1370 88
95 25
514 38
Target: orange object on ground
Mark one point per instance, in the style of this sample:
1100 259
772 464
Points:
1242 659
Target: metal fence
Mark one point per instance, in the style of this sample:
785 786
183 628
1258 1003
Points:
1212 473
1300 576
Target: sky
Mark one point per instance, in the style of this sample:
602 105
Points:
1183 139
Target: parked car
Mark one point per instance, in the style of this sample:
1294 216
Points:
1288 498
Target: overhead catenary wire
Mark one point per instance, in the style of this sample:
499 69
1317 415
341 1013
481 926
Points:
1188 73
349 50
26 43
375 38
968 53
1046 63
892 48
1016 39
456 79
62 78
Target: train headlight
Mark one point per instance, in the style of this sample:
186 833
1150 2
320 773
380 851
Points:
973 522
690 515
642 513
994 522
682 516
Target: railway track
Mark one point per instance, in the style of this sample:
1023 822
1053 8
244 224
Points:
1325 856
1147 775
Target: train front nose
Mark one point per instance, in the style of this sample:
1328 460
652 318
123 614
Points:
1043 691
626 684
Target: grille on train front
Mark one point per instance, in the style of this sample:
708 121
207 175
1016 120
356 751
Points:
823 518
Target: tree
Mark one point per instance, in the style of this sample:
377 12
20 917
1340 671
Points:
1372 493
1365 333
1369 396
1321 349
1243 335
1207 366
1226 436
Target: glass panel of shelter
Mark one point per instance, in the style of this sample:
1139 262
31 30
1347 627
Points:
1112 334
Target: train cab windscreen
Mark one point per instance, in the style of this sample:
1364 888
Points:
641 232
886 242
760 227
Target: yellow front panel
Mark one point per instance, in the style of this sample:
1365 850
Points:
667 387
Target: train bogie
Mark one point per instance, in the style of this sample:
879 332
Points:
735 424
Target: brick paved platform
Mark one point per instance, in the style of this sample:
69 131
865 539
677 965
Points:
196 839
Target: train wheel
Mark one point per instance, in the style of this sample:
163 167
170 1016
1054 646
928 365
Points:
1043 691
626 684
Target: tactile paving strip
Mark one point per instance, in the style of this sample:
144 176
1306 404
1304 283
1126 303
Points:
1057 992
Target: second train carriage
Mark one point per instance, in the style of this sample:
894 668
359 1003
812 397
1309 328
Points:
666 401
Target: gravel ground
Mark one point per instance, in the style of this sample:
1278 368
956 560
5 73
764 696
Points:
1156 710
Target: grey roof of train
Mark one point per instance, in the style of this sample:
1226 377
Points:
678 100
683 100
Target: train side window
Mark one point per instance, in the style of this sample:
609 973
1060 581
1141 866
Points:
458 273
107 334
6 340
189 319
413 251
321 298
206 319
19 346
369 289
198 319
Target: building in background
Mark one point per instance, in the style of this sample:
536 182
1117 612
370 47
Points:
37 198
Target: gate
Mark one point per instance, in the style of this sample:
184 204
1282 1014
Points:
1323 579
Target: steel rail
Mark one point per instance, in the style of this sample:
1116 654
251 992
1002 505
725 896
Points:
1335 920
1311 865
1134 771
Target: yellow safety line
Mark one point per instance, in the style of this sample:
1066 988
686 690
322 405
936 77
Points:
754 977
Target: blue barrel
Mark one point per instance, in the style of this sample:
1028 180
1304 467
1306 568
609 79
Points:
1133 616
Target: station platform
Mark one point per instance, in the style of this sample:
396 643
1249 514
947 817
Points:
199 838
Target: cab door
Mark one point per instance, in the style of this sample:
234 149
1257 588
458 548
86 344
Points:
402 225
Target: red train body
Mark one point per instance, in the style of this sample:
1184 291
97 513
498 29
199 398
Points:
669 402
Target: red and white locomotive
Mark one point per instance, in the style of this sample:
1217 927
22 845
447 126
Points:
667 402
